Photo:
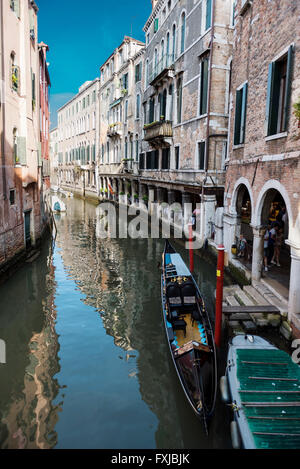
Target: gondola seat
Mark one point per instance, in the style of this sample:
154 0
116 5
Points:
180 324
188 293
196 316
174 294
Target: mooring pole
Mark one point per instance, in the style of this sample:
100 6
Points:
191 248
219 295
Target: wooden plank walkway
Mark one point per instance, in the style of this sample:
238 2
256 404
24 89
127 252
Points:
269 309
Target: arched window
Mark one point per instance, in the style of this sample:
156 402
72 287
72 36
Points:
183 21
173 43
168 50
179 100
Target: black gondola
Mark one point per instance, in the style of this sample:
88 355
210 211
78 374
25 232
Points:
189 334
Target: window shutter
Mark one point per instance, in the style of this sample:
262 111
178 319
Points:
22 150
39 154
156 25
268 130
204 87
243 113
208 13
287 98
238 111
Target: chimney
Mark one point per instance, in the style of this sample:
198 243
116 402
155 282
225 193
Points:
154 2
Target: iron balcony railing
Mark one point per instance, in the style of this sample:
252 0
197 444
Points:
164 64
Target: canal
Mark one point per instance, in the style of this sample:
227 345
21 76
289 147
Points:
87 362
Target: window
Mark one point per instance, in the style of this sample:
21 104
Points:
137 147
126 111
278 95
12 197
179 100
208 14
162 98
156 25
15 74
183 21
142 161
138 106
201 155
138 72
15 7
165 162
168 50
240 115
125 81
174 43
203 86
33 90
32 23
177 158
151 111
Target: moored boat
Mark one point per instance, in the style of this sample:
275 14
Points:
262 386
189 334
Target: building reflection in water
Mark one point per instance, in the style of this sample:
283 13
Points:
27 384
120 278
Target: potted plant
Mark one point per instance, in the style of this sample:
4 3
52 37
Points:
162 118
145 198
136 196
296 107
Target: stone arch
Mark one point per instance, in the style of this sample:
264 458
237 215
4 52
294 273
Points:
236 193
266 194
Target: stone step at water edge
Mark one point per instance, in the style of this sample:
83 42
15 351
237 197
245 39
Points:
255 296
229 291
282 305
243 298
232 301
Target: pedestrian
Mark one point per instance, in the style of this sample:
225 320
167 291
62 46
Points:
277 247
242 246
272 241
266 247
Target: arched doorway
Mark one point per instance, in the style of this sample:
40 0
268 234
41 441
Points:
274 215
244 231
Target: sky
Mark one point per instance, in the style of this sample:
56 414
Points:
81 35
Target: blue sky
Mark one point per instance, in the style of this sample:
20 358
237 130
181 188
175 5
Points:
81 36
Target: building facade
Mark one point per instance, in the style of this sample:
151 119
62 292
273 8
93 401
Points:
78 141
54 166
185 104
120 120
21 205
263 165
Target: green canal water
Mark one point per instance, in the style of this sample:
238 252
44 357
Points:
87 361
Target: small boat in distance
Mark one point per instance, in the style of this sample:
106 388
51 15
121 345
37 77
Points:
262 386
57 205
189 334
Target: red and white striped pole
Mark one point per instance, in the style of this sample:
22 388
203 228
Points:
219 295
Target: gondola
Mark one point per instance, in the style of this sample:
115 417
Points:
189 335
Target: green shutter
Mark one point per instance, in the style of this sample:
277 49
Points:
244 113
287 98
270 98
156 25
238 113
208 14
22 150
204 86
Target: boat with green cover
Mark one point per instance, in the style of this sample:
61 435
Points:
262 385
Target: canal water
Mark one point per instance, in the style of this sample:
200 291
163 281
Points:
87 361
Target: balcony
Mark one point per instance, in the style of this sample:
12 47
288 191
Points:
114 130
157 132
162 69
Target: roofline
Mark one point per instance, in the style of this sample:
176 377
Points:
78 94
126 40
149 20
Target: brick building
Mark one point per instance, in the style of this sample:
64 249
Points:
185 103
263 164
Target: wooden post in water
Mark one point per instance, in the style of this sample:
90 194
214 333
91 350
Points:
191 248
219 295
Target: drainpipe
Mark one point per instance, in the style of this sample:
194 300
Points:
208 115
3 106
